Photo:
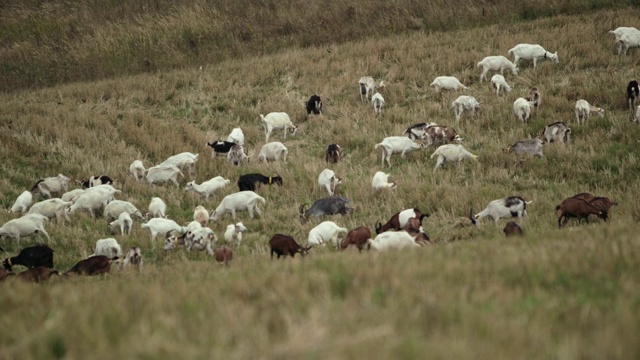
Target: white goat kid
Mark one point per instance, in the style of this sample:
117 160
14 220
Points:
451 153
447 83
381 181
275 121
367 86
522 109
22 203
273 151
242 200
236 136
124 222
157 209
584 110
137 170
498 82
201 215
207 188
465 103
378 103
533 52
327 232
496 63
233 234
397 144
328 180
108 247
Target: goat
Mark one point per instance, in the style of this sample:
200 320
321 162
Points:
535 97
200 239
418 131
511 206
584 110
236 155
531 146
314 105
584 196
160 226
243 200
414 229
24 226
556 132
157 209
399 220
137 170
447 83
498 82
251 182
184 161
116 207
532 52
22 203
233 234
52 208
124 222
72 195
603 202
164 173
330 205
95 265
220 147
333 154
378 103
95 181
283 245
496 63
92 202
201 215
633 92
133 257
367 87
627 41
381 181
108 247
359 237
37 274
4 274
578 208
277 120
512 229
465 103
324 233
51 186
31 257
451 153
236 136
328 180
522 109
439 134
393 240
207 188
619 32
396 144
273 151
223 254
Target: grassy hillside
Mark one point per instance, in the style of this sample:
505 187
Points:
556 293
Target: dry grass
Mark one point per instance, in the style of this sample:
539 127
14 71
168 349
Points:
568 293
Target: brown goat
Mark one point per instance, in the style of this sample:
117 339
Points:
584 196
512 229
359 237
283 245
223 254
439 134
4 274
413 228
394 222
578 208
37 274
95 265
535 97
333 154
602 202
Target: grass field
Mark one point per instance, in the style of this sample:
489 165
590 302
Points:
556 293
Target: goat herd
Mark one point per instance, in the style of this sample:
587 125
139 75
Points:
97 193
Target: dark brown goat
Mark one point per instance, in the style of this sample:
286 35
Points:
578 208
283 245
223 254
584 196
4 274
394 222
95 265
333 154
359 237
602 202
37 274
512 229
413 228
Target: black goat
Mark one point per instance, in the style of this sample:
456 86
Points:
220 147
633 92
31 257
333 154
249 181
314 105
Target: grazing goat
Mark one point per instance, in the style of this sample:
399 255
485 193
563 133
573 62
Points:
72 195
527 147
124 222
451 153
359 237
24 226
393 240
233 234
619 32
330 205
108 247
439 134
133 257
37 275
236 136
22 203
223 254
396 144
496 63
163 173
137 170
95 181
633 92
201 215
52 208
556 132
584 110
200 239
381 181
116 207
522 109
333 154
465 103
418 131
273 151
51 186
157 209
243 200
414 229
512 229
603 202
324 233
578 208
584 196
251 182
236 155
532 52
207 188
447 83
92 202
627 41
511 206
328 180
185 161
367 87
220 147
283 245
160 226
30 257
399 220
277 120
314 105
378 103
498 82
535 97
95 265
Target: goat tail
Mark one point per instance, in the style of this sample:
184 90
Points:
377 146
510 51
262 200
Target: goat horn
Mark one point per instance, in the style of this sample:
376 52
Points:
473 221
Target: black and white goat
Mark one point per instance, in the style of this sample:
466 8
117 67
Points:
314 105
95 181
249 181
633 92
220 147
333 153
511 206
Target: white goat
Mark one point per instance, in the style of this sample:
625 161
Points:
451 153
532 52
397 144
137 170
52 208
381 181
23 202
163 173
328 180
207 188
236 136
378 103
242 200
277 120
114 208
510 206
201 215
628 41
72 195
522 109
160 226
273 151
326 232
91 201
157 209
447 83
108 247
367 86
124 223
620 32
50 186
24 226
393 240
233 234
498 82
584 110
496 63
465 103
184 161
